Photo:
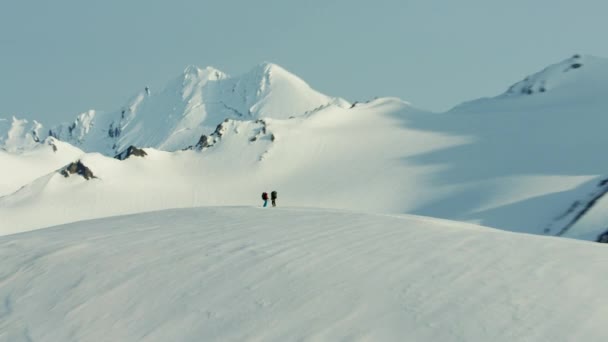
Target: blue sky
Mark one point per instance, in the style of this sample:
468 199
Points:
62 57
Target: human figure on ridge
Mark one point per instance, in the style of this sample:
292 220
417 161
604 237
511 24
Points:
273 197
265 198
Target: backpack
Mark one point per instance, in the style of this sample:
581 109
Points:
264 196
273 195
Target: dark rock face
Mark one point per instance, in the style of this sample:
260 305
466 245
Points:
221 128
78 168
206 141
51 143
578 209
262 132
203 142
603 238
131 151
576 65
113 132
35 136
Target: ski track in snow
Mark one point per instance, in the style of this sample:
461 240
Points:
287 274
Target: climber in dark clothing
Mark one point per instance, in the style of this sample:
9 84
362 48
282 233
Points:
273 197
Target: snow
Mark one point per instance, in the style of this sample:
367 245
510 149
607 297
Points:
558 85
244 273
516 162
565 75
218 267
588 213
311 163
20 134
21 168
191 105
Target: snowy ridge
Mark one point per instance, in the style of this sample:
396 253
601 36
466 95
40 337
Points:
579 208
556 75
21 168
241 158
190 106
222 268
514 162
237 273
575 82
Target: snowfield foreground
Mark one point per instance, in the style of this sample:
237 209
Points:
243 274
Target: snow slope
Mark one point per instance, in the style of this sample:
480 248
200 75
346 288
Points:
310 161
550 128
517 161
238 273
19 168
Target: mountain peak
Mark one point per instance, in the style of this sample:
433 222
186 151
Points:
269 67
576 69
174 117
207 73
269 72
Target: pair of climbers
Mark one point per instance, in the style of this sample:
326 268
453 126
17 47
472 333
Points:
273 198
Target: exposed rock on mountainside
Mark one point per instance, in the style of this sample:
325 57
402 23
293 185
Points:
546 79
203 142
603 238
207 141
78 168
514 162
187 108
131 151
577 210
50 141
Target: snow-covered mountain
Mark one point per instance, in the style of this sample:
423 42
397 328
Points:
24 166
191 105
247 274
18 135
579 81
517 161
529 160
551 124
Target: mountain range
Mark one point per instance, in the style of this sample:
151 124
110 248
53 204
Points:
528 160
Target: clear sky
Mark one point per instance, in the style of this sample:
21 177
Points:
61 57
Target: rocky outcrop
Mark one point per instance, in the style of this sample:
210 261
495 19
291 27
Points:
259 131
203 142
603 238
131 151
78 168
563 223
51 142
262 131
542 81
206 141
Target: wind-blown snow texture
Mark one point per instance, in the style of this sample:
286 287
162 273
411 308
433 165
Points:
243 274
517 161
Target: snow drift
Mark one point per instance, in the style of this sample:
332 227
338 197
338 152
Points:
218 274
